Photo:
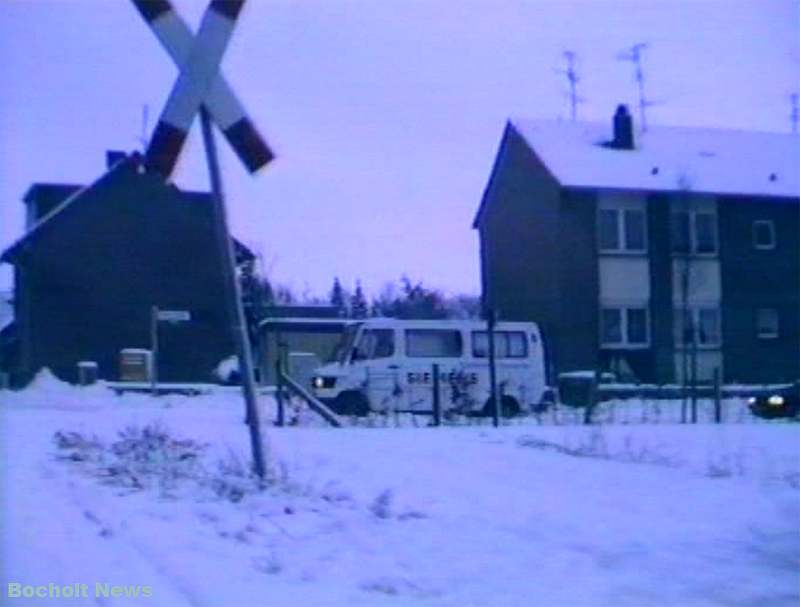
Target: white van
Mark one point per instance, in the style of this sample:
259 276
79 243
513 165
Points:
386 365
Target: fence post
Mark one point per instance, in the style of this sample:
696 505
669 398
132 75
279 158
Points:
154 350
717 396
279 391
437 402
496 399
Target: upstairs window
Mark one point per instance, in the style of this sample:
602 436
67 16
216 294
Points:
766 323
621 230
764 234
705 233
694 232
433 343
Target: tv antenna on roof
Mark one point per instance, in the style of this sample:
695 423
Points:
571 73
634 55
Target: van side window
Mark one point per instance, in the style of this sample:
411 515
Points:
430 343
507 344
375 343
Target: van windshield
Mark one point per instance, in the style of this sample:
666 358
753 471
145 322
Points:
345 346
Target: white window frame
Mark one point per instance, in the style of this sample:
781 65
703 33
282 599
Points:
773 239
694 311
626 344
771 334
692 214
622 248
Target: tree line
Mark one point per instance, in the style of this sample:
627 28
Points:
405 299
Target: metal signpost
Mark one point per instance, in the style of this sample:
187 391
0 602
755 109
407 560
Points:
157 315
490 325
201 88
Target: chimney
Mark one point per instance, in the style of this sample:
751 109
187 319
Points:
623 129
113 157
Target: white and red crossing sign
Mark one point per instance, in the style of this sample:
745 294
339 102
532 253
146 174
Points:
200 83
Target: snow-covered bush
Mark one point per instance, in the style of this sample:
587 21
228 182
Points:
148 457
141 454
79 448
227 370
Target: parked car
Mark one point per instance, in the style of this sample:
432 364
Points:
779 403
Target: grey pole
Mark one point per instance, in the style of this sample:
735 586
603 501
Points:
493 369
233 295
154 350
437 402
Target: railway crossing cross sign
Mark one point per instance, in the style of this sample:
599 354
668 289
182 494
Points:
200 88
200 83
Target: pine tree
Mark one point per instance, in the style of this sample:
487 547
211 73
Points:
358 303
337 297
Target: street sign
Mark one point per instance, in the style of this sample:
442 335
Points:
174 315
199 83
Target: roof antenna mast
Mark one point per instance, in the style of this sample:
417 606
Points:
634 55
571 73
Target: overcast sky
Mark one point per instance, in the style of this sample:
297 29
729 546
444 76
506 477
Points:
385 115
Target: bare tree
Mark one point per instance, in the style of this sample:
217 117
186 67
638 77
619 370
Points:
688 331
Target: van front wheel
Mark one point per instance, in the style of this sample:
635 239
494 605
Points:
351 403
509 407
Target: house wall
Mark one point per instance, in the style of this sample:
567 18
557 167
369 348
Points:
92 277
519 231
661 307
578 306
753 278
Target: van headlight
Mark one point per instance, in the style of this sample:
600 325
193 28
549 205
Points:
752 400
776 400
324 383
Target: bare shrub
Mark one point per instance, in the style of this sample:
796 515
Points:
145 457
381 507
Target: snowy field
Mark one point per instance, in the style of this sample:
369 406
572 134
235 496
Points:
528 514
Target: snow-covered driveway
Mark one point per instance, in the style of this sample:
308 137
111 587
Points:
378 516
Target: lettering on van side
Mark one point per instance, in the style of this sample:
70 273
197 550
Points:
426 377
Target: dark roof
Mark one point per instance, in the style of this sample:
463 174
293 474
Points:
55 192
65 196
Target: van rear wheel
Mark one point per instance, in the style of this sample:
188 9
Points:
351 403
509 407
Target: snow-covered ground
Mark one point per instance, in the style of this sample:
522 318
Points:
527 514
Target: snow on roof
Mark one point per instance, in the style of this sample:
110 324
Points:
708 160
